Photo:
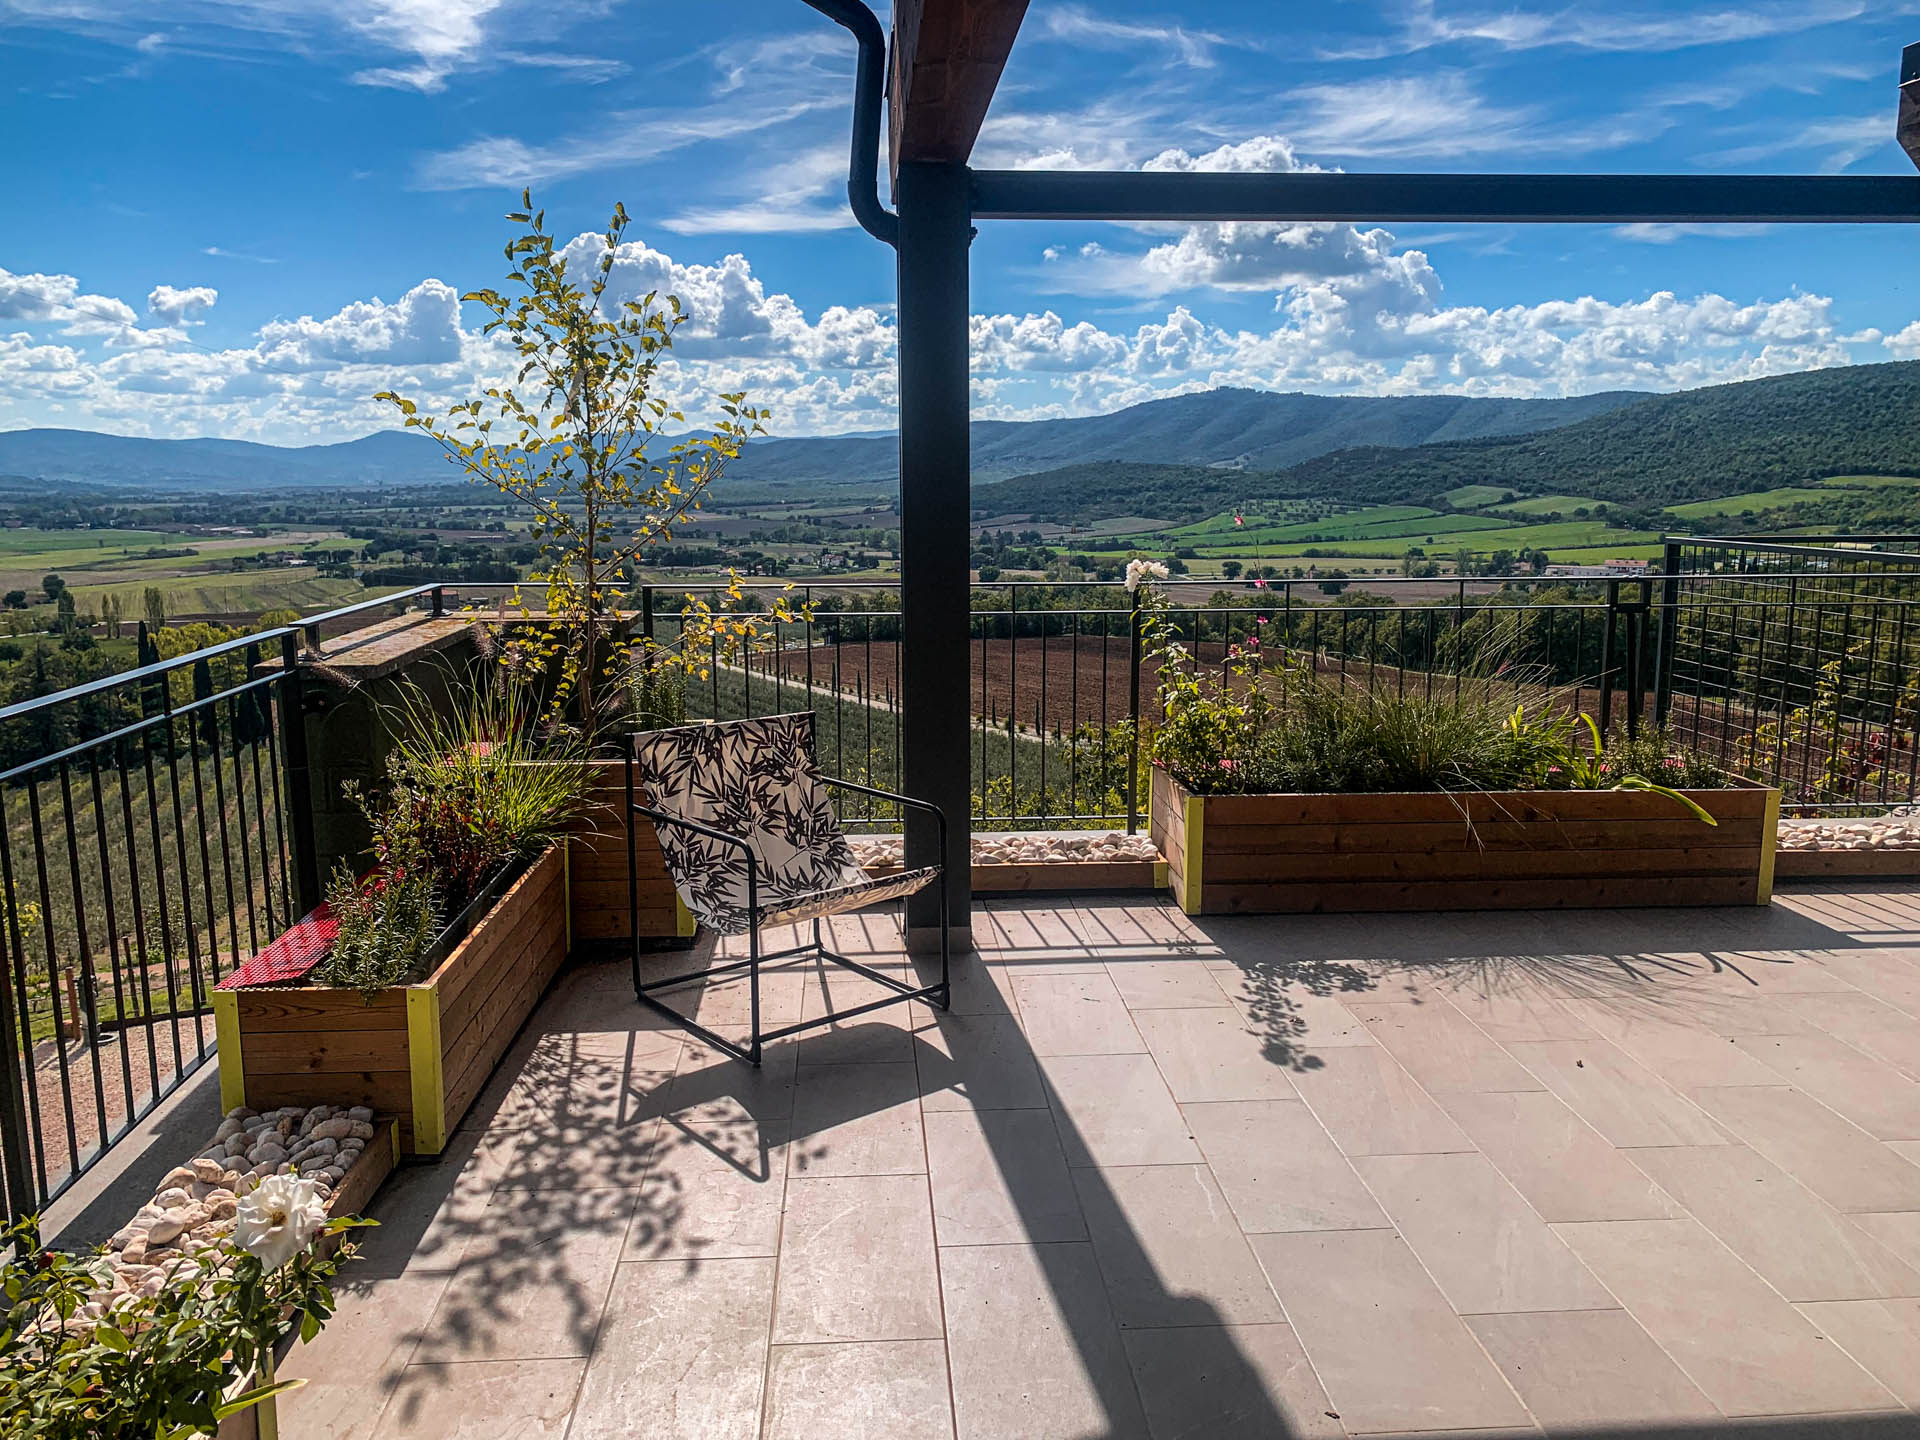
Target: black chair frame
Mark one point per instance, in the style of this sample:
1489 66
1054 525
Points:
938 995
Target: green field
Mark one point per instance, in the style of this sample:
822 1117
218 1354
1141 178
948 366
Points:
1741 504
248 593
1546 505
82 544
1871 482
1473 497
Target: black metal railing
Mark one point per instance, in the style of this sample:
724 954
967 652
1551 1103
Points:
159 823
158 829
1796 661
1061 688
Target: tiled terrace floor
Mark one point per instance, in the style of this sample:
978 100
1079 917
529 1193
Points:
1629 1173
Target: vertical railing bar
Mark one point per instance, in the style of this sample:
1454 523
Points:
240 816
36 1138
113 926
53 964
82 936
160 887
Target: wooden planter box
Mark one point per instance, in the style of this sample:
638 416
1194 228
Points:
417 1052
598 851
1515 850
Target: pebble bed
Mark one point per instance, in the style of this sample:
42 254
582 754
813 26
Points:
1022 848
196 1202
1890 832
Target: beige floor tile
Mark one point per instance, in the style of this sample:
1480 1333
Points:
856 1261
1485 1246
1883 1335
1802 1246
1033 1345
1356 1298
1520 1012
1294 1018
1371 1106
483 1400
1898 1231
1164 984
877 1037
353 1365
1616 1095
1243 1382
977 1062
1278 1168
1745 1347
1838 1161
1874 1096
1891 974
1883 1032
595 1078
1592 1368
1115 1110
533 1280
1212 1055
1170 1250
712 1085
977 987
1555 1159
427 1213
891 1388
857 1120
1075 1015
999 1178
725 1005
683 1352
606 1156
1686 1056
1440 1047
714 1191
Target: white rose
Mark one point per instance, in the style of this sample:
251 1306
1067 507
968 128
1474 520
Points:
277 1220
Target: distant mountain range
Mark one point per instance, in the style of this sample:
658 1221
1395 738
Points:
1705 443
1239 429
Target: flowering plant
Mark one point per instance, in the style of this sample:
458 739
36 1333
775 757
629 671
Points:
85 1357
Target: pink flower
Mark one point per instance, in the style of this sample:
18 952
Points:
1263 620
1259 583
1226 764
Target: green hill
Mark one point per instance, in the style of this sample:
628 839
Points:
1705 444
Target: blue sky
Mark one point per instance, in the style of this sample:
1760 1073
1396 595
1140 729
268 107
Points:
242 217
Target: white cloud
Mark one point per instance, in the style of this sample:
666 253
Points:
421 328
181 307
1839 141
1424 26
1076 25
1352 314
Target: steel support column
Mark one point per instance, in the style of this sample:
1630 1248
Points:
936 227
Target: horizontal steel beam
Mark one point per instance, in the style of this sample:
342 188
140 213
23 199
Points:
1447 199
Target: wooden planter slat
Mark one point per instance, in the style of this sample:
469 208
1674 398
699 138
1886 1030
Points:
599 857
1518 850
417 1052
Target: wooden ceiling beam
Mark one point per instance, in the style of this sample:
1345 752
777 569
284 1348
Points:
946 63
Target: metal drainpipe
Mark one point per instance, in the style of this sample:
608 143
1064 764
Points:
869 88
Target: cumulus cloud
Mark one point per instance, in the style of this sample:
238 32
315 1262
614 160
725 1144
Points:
1351 313
181 307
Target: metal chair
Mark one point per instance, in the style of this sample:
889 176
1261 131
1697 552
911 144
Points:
750 839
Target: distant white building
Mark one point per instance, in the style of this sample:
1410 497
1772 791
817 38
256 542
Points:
1611 570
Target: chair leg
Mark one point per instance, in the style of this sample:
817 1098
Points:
946 943
753 989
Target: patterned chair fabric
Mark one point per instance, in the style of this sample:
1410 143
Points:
757 780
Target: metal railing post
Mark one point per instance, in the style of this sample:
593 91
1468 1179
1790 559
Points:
15 1146
1133 715
293 748
1608 659
1669 635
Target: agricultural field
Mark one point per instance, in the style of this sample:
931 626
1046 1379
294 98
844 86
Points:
1545 505
1744 504
1871 482
231 595
1475 497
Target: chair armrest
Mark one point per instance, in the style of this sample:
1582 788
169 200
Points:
877 794
662 816
939 815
